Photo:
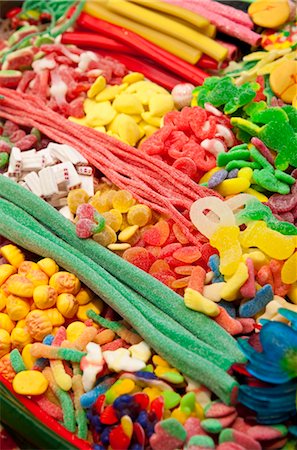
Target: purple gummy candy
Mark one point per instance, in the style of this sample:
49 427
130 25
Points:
233 173
279 203
217 178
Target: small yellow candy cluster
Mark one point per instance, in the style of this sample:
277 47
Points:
130 112
35 298
123 216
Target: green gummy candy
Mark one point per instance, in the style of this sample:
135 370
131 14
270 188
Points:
284 177
188 401
238 147
226 435
267 180
172 377
4 158
241 164
224 158
245 125
260 159
171 399
201 441
291 112
282 227
174 428
148 368
211 425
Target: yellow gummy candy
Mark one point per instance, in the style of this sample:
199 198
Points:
271 242
108 93
158 361
160 104
63 380
84 296
133 77
113 219
292 294
5 271
13 254
261 197
20 337
231 288
122 201
4 342
30 382
259 258
74 330
179 415
139 215
100 114
245 172
48 266
105 237
3 300
151 119
289 270
233 186
98 86
226 241
127 104
127 233
196 301
29 360
96 306
126 128
6 323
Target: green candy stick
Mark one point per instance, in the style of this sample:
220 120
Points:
170 327
154 291
191 364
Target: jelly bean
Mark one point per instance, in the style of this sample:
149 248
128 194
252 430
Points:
271 242
226 240
28 359
261 299
30 382
232 173
233 186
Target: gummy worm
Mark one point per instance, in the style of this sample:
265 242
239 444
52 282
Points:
129 336
64 398
17 361
69 354
80 413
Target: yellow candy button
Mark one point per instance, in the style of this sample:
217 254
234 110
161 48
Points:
30 382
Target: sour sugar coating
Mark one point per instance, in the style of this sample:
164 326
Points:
62 379
44 351
89 398
129 336
65 400
80 413
91 365
16 361
87 335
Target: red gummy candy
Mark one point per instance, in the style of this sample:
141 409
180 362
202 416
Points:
118 439
27 142
157 407
108 416
186 165
158 234
17 136
139 257
169 249
84 228
86 211
187 254
141 399
206 131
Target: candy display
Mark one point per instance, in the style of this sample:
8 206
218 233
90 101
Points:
148 224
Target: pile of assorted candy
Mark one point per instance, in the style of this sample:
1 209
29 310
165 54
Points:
148 264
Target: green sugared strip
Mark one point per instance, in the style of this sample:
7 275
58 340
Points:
192 365
154 291
111 325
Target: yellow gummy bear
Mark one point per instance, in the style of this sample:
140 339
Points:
231 288
289 270
271 242
226 241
